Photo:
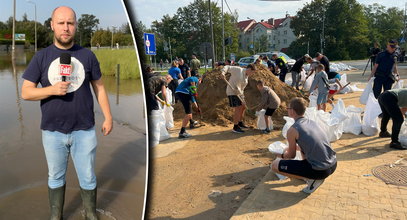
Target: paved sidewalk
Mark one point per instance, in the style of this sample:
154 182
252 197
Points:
352 192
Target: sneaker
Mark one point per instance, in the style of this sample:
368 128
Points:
266 131
237 129
241 125
312 185
384 134
184 135
397 145
193 125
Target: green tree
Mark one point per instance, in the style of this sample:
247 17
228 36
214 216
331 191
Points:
189 29
338 27
346 30
384 24
87 23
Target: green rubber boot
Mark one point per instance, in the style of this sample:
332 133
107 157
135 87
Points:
89 203
56 202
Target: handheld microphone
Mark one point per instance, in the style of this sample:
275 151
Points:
65 67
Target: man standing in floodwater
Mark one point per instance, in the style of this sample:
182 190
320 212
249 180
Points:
68 121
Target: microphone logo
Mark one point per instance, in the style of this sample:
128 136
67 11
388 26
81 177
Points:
65 69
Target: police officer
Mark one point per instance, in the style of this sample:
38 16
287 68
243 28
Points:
281 64
383 69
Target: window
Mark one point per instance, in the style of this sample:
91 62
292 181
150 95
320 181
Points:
285 32
285 41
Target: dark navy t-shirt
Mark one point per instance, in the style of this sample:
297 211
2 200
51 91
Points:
73 111
386 63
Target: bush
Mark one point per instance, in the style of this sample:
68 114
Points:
127 59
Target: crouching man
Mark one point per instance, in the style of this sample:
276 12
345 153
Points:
319 160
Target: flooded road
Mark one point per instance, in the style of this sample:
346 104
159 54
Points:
120 158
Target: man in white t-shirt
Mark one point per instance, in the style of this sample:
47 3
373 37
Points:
237 82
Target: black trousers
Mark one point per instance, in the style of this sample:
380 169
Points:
380 82
388 104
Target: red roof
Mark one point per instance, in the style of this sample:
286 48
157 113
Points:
279 21
242 25
267 25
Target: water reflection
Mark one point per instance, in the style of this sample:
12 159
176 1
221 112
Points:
18 100
120 162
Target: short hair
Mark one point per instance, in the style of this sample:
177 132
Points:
265 58
298 105
53 12
260 82
318 54
320 66
251 66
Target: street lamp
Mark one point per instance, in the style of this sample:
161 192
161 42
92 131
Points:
252 36
113 28
35 24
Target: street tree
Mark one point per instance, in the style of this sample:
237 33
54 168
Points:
87 24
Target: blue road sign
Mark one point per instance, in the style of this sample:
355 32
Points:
149 42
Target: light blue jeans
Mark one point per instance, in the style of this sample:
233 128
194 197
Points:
81 145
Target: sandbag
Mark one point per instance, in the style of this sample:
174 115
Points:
288 124
308 83
403 134
168 115
398 84
261 124
365 94
330 123
353 124
370 125
159 132
313 99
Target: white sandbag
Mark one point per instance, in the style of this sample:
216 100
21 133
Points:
288 124
308 83
370 125
353 124
365 94
330 123
169 119
164 135
398 84
159 132
261 123
344 81
339 111
277 147
403 134
354 88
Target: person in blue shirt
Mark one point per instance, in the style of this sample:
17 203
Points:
175 73
186 92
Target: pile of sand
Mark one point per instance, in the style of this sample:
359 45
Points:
215 105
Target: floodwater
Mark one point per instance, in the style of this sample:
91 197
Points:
120 160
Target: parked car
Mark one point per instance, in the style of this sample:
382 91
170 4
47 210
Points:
246 61
290 61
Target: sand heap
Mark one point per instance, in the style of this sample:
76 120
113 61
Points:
215 105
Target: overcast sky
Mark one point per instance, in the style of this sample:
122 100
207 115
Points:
150 10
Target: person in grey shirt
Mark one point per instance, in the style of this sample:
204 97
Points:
319 159
394 105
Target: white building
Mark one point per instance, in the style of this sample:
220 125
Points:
277 31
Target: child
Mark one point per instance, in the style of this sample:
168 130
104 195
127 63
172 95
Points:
321 82
269 101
